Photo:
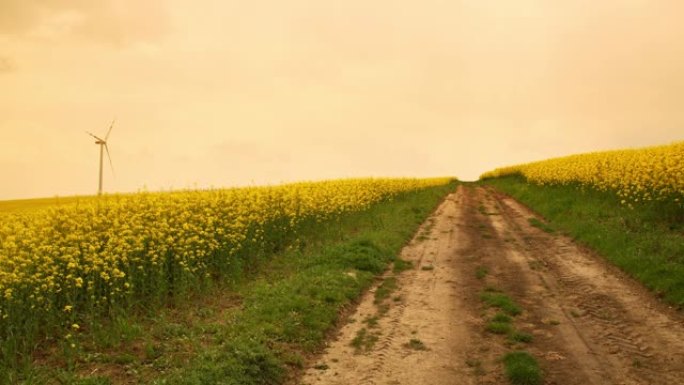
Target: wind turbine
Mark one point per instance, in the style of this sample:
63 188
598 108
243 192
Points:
103 148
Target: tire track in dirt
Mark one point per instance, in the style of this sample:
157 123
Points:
591 324
430 310
634 338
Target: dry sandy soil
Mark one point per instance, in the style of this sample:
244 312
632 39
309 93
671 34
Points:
591 324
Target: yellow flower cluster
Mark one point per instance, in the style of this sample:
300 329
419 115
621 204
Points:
647 174
107 253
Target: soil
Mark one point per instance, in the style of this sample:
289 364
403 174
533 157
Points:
591 324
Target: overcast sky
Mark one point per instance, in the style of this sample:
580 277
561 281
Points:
223 93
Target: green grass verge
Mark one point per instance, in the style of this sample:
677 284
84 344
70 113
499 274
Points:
294 313
401 265
285 308
646 241
522 369
541 225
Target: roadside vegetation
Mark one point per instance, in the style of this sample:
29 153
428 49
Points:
646 240
626 204
254 328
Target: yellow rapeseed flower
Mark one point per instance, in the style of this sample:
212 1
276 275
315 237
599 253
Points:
112 251
652 173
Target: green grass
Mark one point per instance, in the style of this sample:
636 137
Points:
501 301
415 344
401 265
540 225
522 369
646 241
499 327
501 317
278 313
500 324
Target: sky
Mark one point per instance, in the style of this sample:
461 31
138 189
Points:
222 93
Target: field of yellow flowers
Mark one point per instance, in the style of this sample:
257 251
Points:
65 264
647 174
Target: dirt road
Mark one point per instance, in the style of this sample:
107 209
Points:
590 323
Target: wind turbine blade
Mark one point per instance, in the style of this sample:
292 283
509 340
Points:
110 129
110 159
93 135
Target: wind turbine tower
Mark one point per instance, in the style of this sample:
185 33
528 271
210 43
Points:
103 147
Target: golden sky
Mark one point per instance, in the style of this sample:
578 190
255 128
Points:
223 92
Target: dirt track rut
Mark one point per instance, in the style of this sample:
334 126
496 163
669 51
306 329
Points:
591 324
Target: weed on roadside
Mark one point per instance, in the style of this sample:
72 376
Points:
415 344
385 289
364 341
501 317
